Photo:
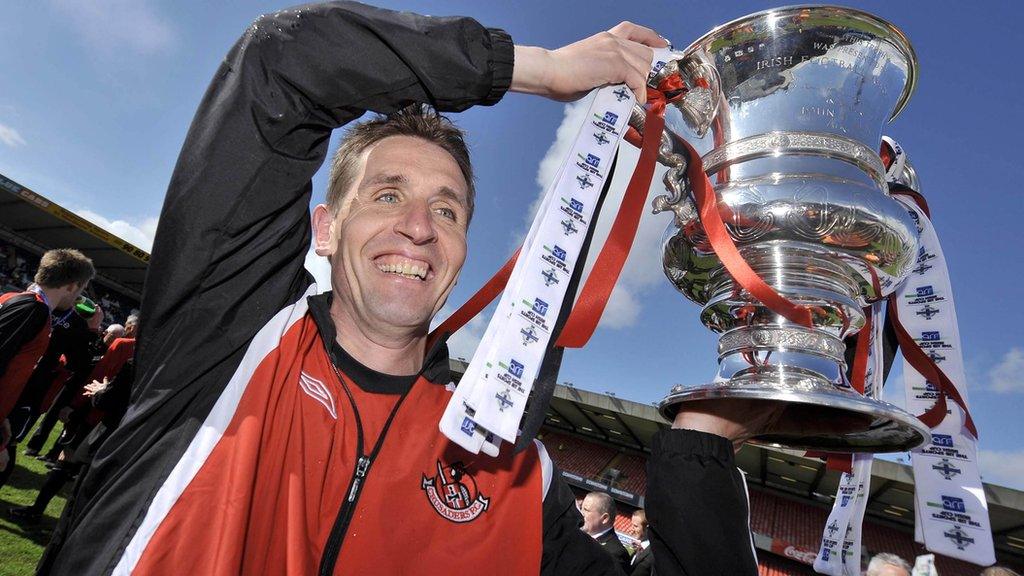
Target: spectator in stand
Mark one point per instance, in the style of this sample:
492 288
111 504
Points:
599 522
25 333
642 563
111 397
886 564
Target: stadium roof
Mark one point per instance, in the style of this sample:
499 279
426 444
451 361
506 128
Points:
34 223
630 425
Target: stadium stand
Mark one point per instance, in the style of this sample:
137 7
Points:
578 455
31 224
790 495
18 265
633 472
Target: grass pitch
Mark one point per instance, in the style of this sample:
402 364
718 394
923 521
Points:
22 543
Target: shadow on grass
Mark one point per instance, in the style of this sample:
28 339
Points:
24 478
38 531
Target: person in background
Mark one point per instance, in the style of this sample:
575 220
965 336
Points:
25 330
642 563
113 332
62 370
109 396
598 511
82 415
886 564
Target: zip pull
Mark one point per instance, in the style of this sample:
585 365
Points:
362 467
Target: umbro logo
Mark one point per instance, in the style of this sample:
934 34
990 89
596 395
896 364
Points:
318 391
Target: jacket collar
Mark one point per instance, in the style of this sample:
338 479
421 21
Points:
435 366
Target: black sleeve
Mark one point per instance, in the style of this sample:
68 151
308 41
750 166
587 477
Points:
234 228
21 319
567 549
79 354
114 398
697 507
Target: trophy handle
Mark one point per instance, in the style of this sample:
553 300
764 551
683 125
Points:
678 199
699 104
699 107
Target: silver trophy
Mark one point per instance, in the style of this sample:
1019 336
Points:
786 108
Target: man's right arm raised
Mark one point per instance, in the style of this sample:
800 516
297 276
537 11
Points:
234 228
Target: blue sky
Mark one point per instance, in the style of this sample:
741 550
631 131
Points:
97 97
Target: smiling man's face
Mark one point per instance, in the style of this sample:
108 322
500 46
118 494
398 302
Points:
398 240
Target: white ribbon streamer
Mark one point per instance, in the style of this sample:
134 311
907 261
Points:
951 509
488 404
840 550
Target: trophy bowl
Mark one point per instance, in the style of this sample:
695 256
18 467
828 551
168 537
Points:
786 108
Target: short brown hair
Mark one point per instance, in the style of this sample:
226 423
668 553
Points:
642 515
64 266
418 121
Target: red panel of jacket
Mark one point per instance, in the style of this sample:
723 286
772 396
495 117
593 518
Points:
13 380
267 496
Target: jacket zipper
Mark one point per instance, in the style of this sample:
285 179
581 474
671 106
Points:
363 462
362 467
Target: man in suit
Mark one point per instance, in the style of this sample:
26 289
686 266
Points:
642 563
599 522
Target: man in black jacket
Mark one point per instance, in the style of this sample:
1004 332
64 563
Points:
598 511
642 562
72 337
242 376
25 329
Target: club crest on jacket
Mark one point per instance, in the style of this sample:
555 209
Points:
453 493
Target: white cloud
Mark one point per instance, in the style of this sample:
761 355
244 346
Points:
463 343
113 25
10 136
643 266
1008 375
1004 468
622 309
139 233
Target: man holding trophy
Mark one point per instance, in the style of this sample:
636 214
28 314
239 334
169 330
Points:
274 430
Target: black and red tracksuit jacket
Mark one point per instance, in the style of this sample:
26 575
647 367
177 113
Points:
254 444
24 336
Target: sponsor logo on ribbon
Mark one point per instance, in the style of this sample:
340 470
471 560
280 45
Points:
504 400
550 276
927 311
946 469
959 538
529 334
